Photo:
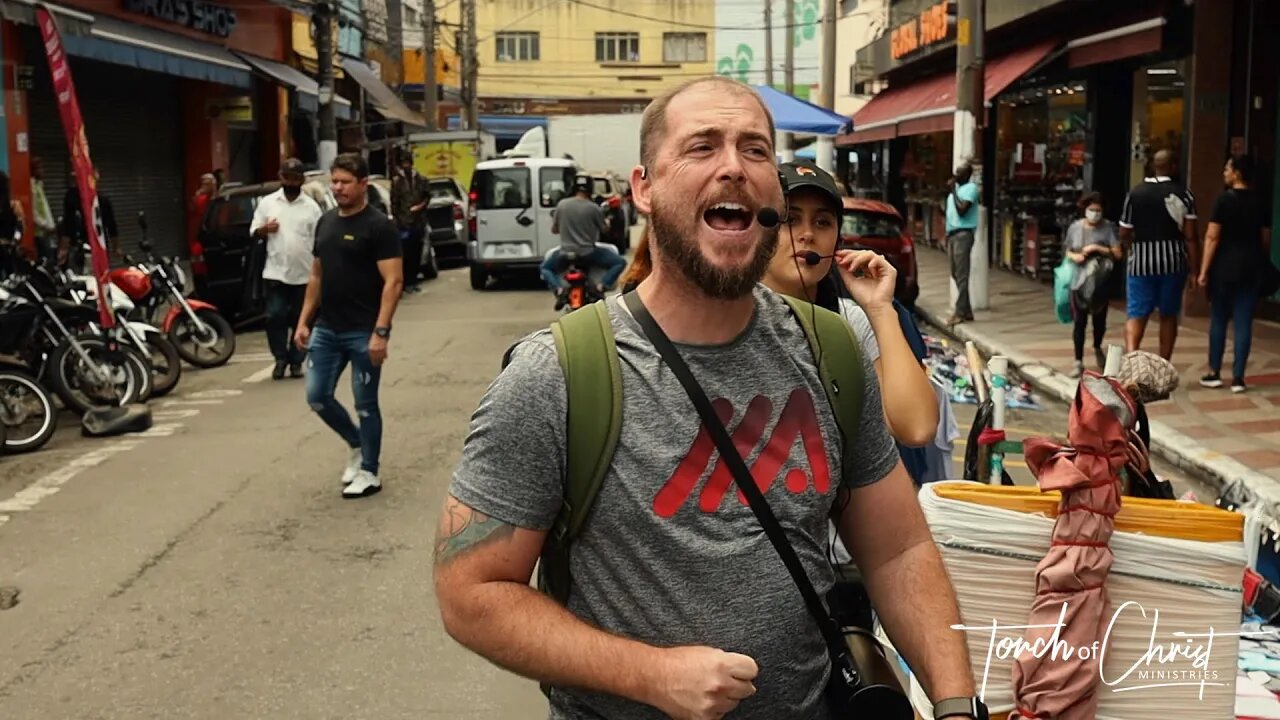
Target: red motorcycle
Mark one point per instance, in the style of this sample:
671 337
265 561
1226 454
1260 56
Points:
197 330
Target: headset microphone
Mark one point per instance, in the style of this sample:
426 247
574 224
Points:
768 217
813 258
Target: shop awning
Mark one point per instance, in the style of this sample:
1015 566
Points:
306 86
929 105
70 22
794 115
381 96
121 43
504 127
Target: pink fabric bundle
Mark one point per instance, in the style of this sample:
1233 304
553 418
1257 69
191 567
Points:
1074 570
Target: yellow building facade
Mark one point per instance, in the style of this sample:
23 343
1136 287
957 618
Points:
596 49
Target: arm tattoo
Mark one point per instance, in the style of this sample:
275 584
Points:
462 529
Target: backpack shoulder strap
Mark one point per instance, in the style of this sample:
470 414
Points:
593 381
839 365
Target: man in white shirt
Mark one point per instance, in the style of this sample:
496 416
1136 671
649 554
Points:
286 219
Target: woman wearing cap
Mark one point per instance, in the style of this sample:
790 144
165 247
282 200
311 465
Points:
812 228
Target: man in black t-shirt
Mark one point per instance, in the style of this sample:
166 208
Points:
1157 229
356 280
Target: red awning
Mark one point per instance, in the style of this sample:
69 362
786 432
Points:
930 104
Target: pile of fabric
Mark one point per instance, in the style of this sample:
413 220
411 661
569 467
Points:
949 369
1258 678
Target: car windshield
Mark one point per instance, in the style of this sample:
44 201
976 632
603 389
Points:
228 211
870 224
603 187
555 182
444 190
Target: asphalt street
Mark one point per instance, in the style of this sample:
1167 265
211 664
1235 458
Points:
211 569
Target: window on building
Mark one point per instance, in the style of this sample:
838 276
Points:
517 46
684 47
410 17
617 47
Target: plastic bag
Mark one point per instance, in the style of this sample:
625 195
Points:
1062 277
1090 284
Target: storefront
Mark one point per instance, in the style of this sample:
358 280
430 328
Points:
166 95
1073 104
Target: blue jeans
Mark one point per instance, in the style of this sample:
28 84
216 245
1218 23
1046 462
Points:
556 264
1234 304
328 355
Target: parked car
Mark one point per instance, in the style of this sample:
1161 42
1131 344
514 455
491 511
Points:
447 219
873 225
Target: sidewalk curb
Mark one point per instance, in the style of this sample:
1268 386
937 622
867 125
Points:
1167 443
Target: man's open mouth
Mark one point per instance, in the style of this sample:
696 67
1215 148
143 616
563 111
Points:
728 216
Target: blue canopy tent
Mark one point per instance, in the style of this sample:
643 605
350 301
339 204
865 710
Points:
797 116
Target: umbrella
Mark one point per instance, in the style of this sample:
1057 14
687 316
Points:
1071 579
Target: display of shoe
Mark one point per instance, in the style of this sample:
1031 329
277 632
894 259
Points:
1077 369
363 484
1238 386
353 466
277 373
295 370
1212 380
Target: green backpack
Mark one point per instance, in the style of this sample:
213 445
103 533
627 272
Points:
593 379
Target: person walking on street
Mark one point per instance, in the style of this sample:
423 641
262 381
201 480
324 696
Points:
713 623
46 226
1088 237
962 222
1237 248
410 194
286 220
356 282
1157 233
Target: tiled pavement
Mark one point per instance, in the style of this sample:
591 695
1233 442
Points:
1223 435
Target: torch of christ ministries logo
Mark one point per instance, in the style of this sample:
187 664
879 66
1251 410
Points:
1155 668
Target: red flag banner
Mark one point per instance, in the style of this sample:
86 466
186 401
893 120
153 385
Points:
73 124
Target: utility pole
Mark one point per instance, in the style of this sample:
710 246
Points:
322 29
430 107
789 74
827 90
967 144
472 65
768 43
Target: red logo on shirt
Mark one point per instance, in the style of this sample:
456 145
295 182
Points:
798 420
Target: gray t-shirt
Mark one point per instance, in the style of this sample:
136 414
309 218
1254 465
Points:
580 222
671 554
856 317
1080 236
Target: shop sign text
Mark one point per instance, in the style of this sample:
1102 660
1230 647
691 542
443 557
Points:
205 17
929 28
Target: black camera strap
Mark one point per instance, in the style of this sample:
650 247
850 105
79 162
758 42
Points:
831 634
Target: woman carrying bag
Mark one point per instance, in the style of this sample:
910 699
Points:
1236 256
1089 237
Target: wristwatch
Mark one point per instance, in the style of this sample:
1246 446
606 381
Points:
961 707
382 332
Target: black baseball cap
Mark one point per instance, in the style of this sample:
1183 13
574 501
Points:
805 174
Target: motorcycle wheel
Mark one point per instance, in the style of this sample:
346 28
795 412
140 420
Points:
79 387
166 364
25 426
142 370
208 352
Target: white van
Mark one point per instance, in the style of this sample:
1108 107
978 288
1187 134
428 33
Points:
512 202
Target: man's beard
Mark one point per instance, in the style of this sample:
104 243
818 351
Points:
676 241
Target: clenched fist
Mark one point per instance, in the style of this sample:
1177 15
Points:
702 683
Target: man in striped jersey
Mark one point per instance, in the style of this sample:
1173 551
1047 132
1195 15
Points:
1158 232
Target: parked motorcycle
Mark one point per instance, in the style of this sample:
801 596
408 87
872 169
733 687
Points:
28 417
164 360
53 337
197 330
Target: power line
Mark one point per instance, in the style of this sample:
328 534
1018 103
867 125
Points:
702 26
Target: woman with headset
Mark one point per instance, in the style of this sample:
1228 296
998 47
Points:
858 285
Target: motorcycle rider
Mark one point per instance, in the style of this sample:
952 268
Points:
582 222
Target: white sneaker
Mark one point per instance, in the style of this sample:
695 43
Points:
353 466
364 485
